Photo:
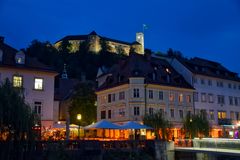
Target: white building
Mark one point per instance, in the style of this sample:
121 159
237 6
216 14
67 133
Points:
36 80
217 90
142 85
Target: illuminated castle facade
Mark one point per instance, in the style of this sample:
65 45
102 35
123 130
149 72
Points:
94 42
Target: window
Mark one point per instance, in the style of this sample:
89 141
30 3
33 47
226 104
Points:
237 115
229 85
171 97
103 114
172 113
202 81
195 80
136 93
209 82
17 81
210 98
109 98
236 101
195 95
136 111
150 94
181 113
113 97
234 86
219 84
188 99
232 115
109 114
121 95
38 107
221 99
230 100
38 83
161 111
203 97
151 111
160 95
121 112
211 114
222 115
180 98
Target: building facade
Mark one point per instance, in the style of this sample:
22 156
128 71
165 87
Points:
94 42
217 91
143 85
35 79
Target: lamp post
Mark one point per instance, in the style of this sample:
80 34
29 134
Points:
79 117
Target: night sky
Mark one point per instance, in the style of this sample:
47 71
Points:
203 28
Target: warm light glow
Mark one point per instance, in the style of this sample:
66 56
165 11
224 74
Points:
79 116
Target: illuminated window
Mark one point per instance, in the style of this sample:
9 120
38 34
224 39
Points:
180 97
188 99
38 83
171 97
17 81
222 114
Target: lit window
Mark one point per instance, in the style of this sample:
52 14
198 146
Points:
222 115
171 97
188 99
38 83
17 81
180 98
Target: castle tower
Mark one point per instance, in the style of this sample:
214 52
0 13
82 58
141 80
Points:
140 39
94 42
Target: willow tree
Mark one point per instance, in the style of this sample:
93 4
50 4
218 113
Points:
16 118
159 123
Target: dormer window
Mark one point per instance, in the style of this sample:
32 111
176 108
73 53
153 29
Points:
1 55
20 58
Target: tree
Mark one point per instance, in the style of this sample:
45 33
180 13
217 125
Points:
196 125
16 118
83 102
159 123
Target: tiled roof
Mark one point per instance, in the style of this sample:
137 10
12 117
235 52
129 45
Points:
208 68
31 63
154 70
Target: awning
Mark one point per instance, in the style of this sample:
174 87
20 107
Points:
103 124
134 125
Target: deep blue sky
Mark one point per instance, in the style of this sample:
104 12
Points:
204 28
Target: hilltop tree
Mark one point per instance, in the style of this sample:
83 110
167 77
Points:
159 123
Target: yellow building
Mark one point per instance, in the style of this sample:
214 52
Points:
143 85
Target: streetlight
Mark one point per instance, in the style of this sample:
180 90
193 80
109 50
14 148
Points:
79 117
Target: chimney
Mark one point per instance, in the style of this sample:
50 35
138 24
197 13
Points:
1 39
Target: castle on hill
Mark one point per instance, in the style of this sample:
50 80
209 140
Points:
94 43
